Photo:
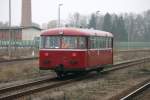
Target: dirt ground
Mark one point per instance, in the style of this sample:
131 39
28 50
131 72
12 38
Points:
121 56
18 53
21 70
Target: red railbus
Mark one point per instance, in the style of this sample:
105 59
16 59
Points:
71 50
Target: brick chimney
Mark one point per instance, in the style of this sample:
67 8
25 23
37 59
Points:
26 17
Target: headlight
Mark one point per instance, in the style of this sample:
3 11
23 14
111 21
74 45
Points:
73 62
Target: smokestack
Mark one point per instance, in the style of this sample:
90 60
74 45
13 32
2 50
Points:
26 18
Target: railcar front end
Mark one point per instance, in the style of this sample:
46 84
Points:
63 54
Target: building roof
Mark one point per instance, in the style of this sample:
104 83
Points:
76 32
17 27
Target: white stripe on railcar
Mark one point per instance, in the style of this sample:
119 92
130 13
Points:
64 49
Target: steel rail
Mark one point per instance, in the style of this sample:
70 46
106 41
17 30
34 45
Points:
49 83
22 59
133 50
26 84
136 92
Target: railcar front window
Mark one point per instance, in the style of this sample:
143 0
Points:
69 42
42 42
63 42
82 43
51 42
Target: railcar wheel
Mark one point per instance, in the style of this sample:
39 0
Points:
80 73
60 75
99 70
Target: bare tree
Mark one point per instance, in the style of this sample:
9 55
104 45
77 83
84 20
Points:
52 24
77 20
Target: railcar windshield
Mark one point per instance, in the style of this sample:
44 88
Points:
63 42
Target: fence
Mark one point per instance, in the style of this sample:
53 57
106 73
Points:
35 44
132 45
21 43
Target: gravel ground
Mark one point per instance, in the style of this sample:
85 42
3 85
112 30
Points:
100 87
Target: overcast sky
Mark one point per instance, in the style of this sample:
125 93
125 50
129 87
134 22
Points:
46 10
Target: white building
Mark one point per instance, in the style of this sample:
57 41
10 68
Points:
19 33
29 33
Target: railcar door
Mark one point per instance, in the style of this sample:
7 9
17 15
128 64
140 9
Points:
92 52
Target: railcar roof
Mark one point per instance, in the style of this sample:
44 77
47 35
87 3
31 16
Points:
76 32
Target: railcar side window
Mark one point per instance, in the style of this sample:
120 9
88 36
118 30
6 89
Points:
110 42
107 42
92 42
100 42
104 42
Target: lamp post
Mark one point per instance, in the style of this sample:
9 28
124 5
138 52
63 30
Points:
97 12
128 41
59 5
9 45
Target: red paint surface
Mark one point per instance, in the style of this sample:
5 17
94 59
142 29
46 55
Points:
99 57
76 32
84 59
63 57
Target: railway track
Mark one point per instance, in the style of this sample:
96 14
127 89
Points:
144 86
133 50
22 59
42 84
